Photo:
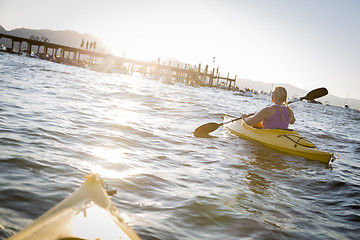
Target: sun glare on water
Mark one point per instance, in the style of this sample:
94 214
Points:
122 167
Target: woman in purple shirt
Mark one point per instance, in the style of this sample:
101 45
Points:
278 115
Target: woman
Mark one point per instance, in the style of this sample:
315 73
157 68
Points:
278 115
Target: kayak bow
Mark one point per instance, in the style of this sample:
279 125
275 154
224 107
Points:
88 213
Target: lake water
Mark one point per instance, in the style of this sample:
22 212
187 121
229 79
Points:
59 123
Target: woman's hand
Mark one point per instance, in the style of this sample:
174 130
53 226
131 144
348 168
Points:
244 116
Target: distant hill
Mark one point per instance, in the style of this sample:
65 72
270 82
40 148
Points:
63 37
2 30
73 39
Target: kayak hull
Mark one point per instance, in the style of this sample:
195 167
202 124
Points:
287 141
88 213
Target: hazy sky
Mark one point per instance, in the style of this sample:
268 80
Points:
306 43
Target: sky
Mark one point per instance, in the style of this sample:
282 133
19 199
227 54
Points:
305 43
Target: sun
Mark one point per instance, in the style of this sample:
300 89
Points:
156 39
139 45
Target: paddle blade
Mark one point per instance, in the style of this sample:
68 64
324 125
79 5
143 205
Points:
316 93
206 128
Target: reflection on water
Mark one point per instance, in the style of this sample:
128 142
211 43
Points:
257 184
58 123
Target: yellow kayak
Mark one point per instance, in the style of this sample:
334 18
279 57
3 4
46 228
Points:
287 141
88 213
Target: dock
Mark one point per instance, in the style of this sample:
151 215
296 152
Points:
189 74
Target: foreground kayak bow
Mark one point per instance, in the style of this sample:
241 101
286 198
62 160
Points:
88 213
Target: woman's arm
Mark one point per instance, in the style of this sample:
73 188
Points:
291 115
257 118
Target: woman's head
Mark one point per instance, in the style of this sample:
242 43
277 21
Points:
279 95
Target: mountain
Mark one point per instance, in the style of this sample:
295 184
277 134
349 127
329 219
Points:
64 37
2 30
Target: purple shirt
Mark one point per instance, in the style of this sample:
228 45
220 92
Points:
275 120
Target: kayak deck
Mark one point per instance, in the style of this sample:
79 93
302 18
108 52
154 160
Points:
287 141
88 213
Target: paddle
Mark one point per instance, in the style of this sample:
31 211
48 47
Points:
210 127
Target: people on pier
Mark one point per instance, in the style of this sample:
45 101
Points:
82 44
42 39
89 46
278 115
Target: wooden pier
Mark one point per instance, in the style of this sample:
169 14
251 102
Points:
192 75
